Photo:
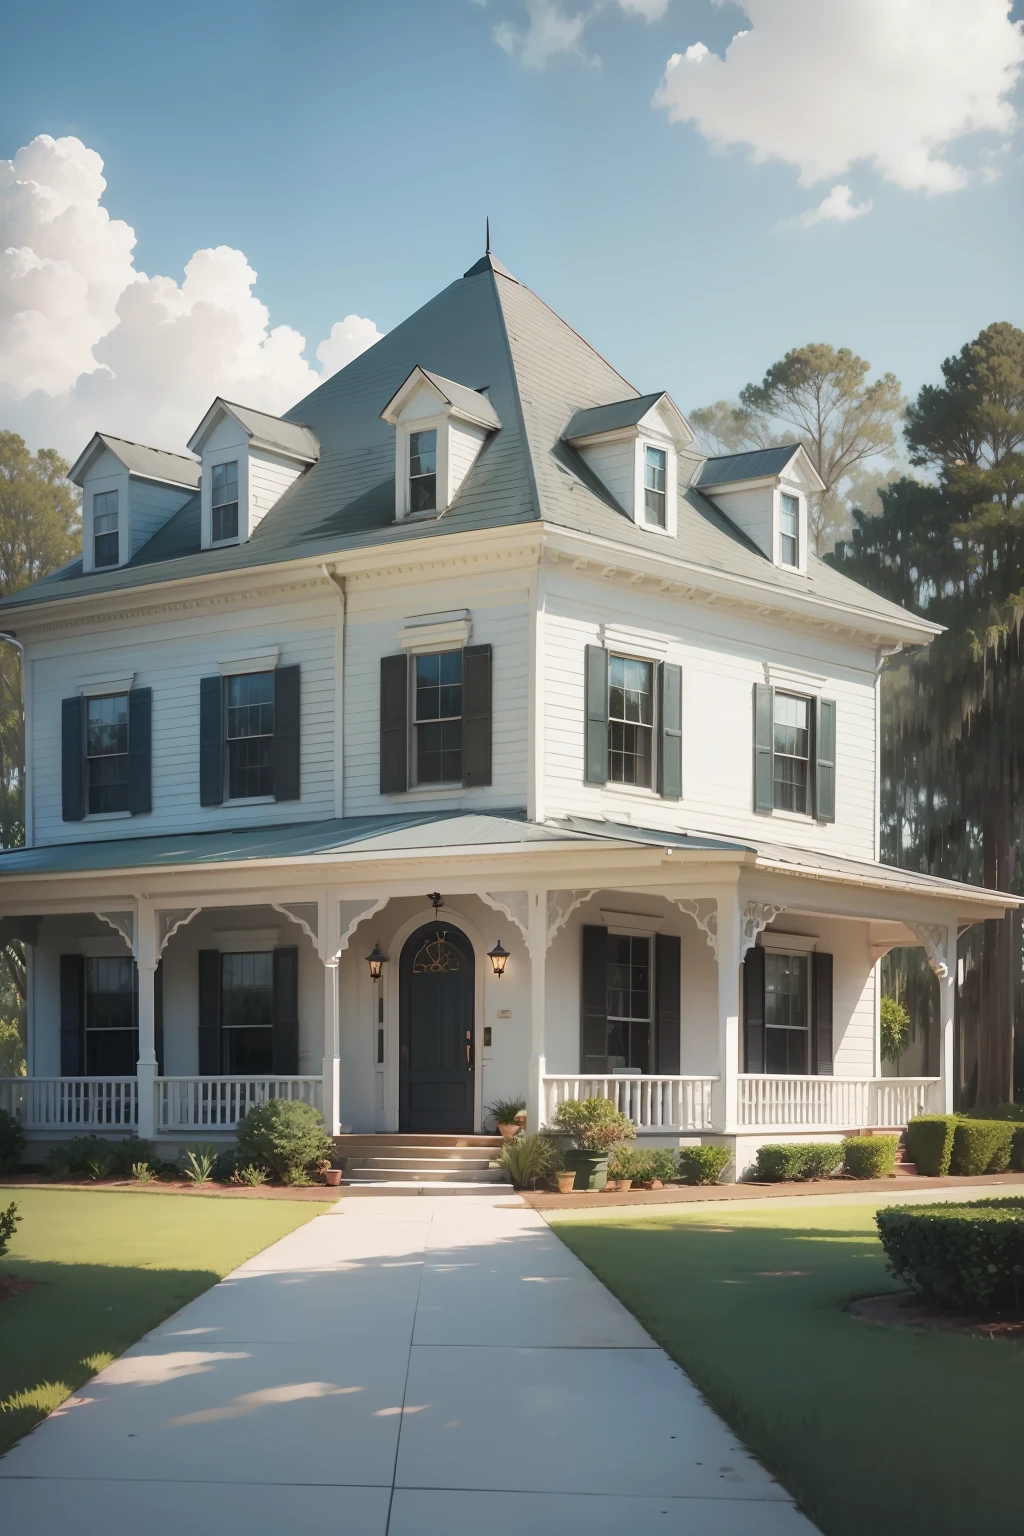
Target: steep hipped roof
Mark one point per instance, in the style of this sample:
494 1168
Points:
273 432
148 463
757 464
486 331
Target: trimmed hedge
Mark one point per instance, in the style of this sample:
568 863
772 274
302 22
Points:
785 1161
703 1165
967 1144
870 1157
969 1256
981 1146
930 1143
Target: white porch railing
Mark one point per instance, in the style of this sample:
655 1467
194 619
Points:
66 1103
218 1103
832 1103
652 1103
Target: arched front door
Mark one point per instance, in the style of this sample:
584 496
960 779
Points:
435 1036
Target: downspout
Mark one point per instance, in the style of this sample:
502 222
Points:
881 657
330 573
29 819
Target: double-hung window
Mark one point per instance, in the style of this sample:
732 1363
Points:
111 1017
438 718
423 471
789 529
106 754
792 753
250 735
224 502
247 1012
629 1001
630 721
786 1013
654 486
104 529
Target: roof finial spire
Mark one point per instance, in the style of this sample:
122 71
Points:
487 248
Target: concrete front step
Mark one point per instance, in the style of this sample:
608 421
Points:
377 1175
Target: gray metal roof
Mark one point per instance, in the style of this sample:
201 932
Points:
469 401
610 418
757 464
151 463
491 330
274 432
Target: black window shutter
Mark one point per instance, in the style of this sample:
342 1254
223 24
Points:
140 750
211 740
72 758
158 1015
285 1049
764 736
753 1010
72 1015
825 759
476 715
670 731
287 748
209 1012
596 690
666 996
594 1000
394 724
821 1013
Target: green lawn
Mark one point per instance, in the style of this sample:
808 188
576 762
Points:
106 1268
874 1429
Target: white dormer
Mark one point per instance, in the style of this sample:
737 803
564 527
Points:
128 492
766 493
634 448
440 428
249 460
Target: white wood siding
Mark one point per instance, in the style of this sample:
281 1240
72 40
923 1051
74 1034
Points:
722 655
753 513
269 478
614 464
465 443
151 505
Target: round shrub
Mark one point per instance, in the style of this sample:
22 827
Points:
12 1142
595 1125
703 1165
981 1146
283 1137
930 1144
870 1157
778 1163
822 1159
969 1256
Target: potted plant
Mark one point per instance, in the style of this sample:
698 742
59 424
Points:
330 1170
594 1126
622 1167
564 1177
505 1114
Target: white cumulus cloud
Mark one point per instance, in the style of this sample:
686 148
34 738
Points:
87 341
823 86
550 30
838 205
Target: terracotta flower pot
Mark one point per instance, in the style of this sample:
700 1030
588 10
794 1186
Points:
509 1132
565 1182
654 1184
332 1177
623 1184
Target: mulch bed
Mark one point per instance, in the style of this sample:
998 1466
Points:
684 1194
11 1286
903 1309
175 1187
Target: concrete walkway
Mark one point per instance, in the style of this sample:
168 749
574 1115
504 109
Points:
397 1367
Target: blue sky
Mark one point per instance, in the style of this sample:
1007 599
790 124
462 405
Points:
352 153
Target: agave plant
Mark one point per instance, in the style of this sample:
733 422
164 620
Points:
198 1163
527 1159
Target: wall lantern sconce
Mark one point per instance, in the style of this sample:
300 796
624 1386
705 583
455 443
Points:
376 960
498 956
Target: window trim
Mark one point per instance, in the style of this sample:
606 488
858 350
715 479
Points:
228 798
797 537
792 951
643 441
236 453
236 537
661 469
88 699
106 565
808 813
627 785
627 931
441 424
414 783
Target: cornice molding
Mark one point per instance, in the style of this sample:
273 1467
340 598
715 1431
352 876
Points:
240 598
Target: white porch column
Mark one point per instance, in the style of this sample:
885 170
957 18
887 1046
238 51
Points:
730 955
332 1049
146 958
947 1006
537 944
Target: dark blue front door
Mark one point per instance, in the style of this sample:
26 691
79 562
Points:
436 1046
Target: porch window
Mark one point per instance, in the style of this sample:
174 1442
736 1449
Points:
106 753
111 1017
629 1002
791 752
250 735
786 1013
247 1012
224 502
438 718
630 721
423 471
104 529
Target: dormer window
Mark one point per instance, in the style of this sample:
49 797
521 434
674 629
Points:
655 460
104 529
224 502
423 471
789 530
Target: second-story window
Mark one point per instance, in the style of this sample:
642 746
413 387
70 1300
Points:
654 487
224 502
250 735
104 529
789 530
438 718
630 721
106 754
423 471
792 752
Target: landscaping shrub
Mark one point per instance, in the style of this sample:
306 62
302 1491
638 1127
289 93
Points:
663 1163
249 1175
969 1256
595 1125
821 1159
12 1142
281 1137
132 1150
703 1165
527 1159
99 1166
142 1173
198 1163
870 1157
57 1163
930 1143
629 1163
981 1146
83 1151
781 1162
8 1221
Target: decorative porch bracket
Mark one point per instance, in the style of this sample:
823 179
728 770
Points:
561 906
352 913
514 904
168 921
935 938
704 911
305 913
122 923
756 917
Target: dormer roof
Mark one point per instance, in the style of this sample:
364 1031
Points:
290 438
757 464
469 404
138 459
621 415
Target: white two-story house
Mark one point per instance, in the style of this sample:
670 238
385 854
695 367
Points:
465 732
